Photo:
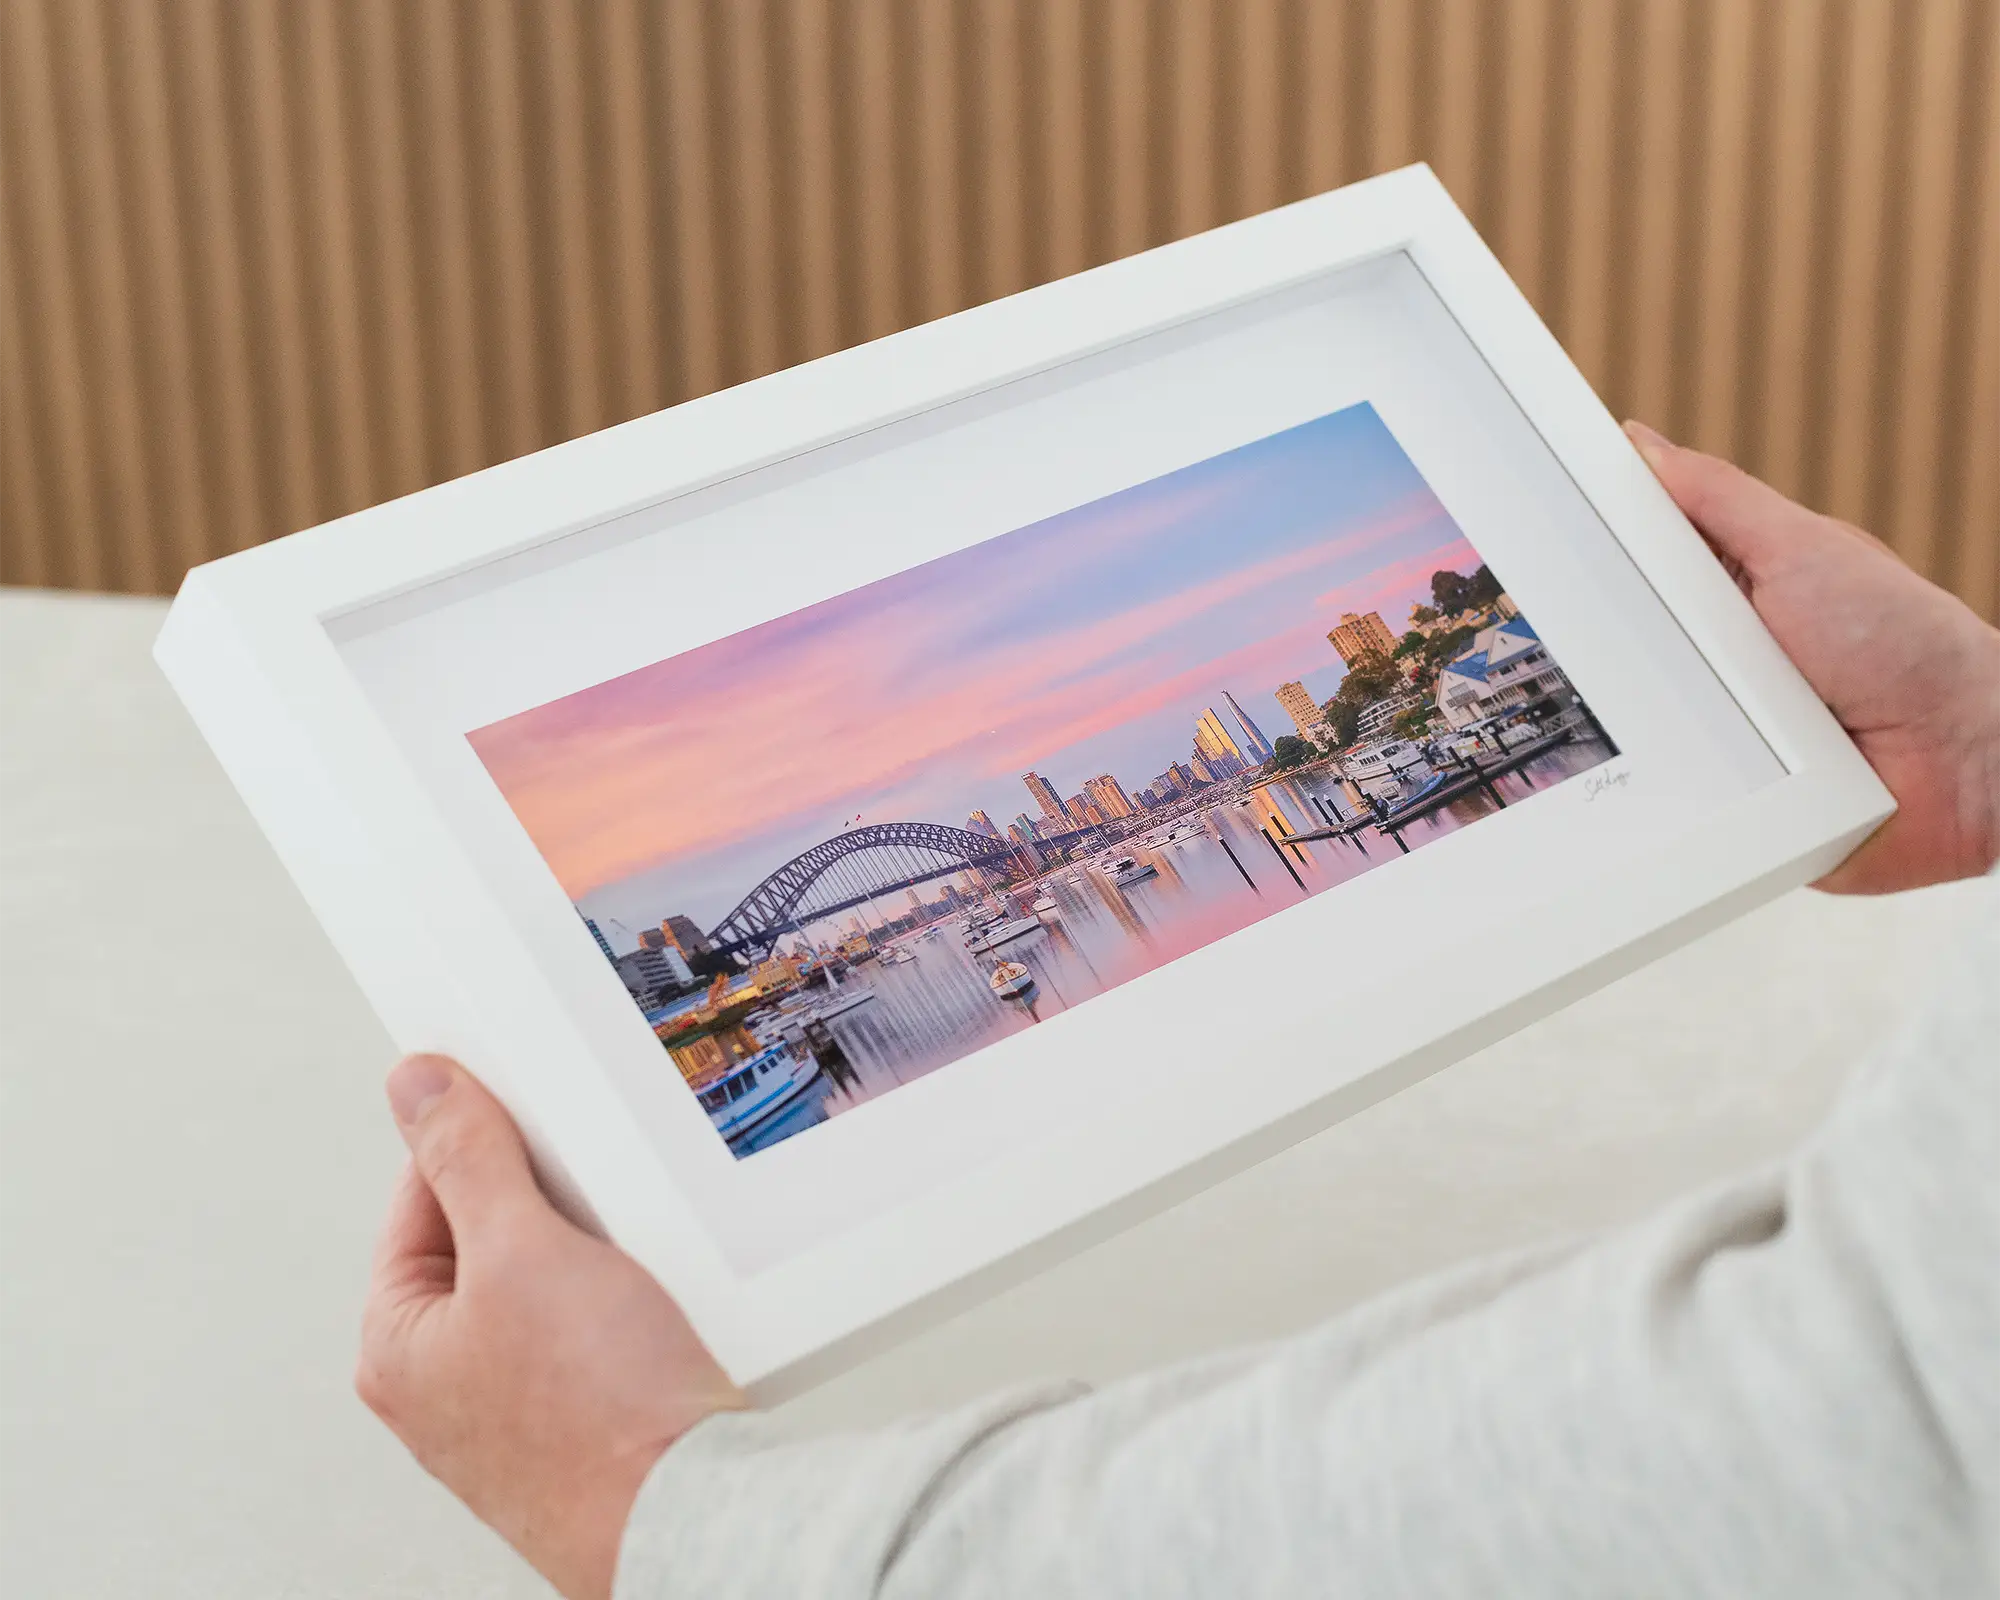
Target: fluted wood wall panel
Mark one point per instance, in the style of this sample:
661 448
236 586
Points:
264 263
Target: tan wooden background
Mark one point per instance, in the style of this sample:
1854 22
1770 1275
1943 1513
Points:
264 263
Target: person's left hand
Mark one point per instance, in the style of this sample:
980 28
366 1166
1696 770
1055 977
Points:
534 1370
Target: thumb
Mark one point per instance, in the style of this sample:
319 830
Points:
463 1142
1750 524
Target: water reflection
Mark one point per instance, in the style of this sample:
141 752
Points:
1236 870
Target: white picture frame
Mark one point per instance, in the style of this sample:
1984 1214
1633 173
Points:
261 647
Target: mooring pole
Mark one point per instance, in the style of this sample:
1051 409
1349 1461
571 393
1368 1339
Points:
1222 839
1278 850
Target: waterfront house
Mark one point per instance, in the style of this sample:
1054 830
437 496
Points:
1506 669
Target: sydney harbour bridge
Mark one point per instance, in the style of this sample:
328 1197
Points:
852 868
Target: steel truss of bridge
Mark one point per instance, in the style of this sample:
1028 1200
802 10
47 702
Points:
773 907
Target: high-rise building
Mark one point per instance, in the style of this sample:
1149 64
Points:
1199 770
980 822
1215 746
1182 775
1300 706
1255 746
1030 826
649 974
596 933
1045 797
684 936
1109 796
1079 812
652 939
1355 637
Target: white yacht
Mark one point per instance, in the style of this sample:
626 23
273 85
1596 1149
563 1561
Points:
1127 871
1387 769
1002 933
841 1001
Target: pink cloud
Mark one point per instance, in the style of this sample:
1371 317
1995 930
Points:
661 764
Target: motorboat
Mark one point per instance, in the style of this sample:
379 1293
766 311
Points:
898 957
1004 932
1045 905
1133 871
1389 769
1011 979
756 1089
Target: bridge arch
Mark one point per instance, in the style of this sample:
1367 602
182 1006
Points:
932 850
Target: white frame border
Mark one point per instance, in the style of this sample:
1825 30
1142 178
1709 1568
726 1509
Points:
248 648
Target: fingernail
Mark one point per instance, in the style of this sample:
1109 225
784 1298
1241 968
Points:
1653 446
415 1085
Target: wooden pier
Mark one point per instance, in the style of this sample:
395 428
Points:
1480 776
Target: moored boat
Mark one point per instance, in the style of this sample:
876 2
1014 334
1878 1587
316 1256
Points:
755 1090
1011 979
843 1000
1002 932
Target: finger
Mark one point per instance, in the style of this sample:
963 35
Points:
1747 521
465 1145
414 1251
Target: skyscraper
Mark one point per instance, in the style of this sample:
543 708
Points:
1079 811
1300 707
980 822
1045 796
684 936
1358 636
1256 747
1215 747
1028 826
1109 795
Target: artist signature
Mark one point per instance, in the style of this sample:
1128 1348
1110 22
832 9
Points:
1603 782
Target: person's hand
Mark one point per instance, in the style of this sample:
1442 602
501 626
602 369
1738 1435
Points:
536 1371
1910 671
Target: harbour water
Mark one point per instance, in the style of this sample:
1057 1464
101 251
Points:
940 1006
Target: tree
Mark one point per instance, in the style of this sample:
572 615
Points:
1409 644
1453 592
1344 717
1415 723
1368 679
1423 614
1291 751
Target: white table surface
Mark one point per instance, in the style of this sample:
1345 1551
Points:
194 1153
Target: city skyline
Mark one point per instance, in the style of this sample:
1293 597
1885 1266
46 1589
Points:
1079 650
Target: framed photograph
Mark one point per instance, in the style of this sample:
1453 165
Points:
889 824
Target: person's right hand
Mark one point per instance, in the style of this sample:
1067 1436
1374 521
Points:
535 1370
1910 671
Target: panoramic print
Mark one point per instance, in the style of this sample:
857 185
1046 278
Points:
842 849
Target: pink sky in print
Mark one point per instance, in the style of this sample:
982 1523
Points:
1084 644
